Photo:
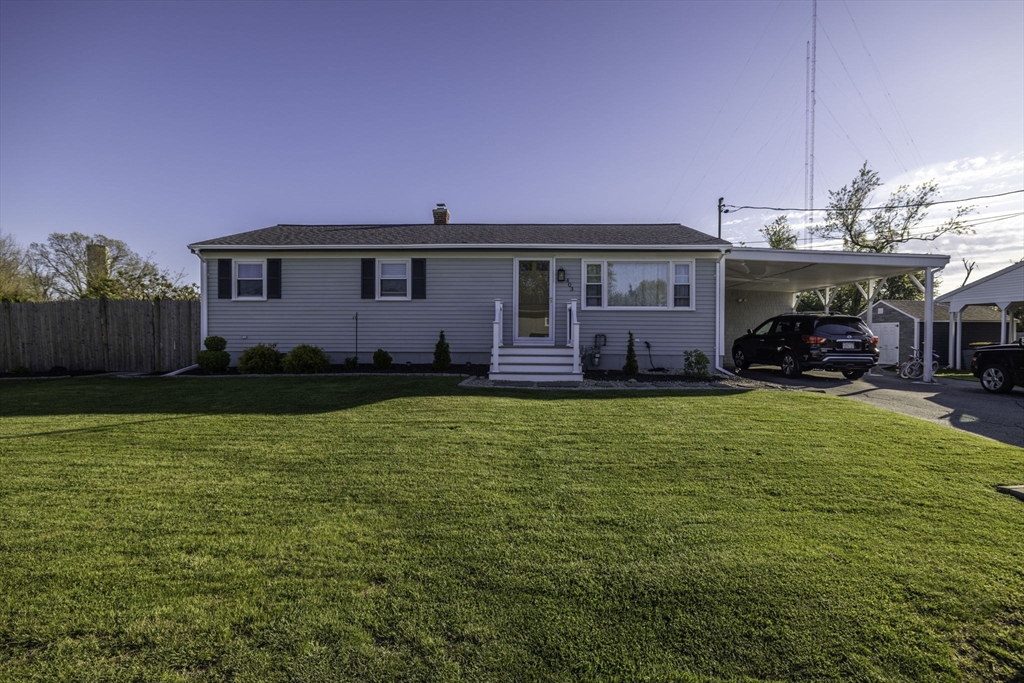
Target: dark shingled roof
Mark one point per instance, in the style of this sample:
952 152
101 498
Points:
467 235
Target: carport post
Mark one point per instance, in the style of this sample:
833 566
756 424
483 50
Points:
926 354
953 341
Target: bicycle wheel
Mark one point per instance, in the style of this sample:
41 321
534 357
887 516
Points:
915 370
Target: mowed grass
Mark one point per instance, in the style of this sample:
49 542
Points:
325 529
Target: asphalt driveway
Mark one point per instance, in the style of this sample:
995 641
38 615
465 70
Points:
955 403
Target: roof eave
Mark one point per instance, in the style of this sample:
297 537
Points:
454 247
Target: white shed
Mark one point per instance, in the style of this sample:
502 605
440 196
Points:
1004 289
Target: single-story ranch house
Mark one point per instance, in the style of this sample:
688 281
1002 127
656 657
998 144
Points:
529 300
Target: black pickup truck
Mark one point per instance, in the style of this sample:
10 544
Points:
1000 366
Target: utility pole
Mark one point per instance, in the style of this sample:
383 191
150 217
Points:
720 207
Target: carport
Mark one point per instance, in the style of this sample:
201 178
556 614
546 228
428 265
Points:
1004 289
755 284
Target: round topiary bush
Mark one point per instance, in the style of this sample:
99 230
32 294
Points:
381 359
262 359
307 358
215 343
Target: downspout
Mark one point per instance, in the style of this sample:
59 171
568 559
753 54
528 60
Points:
203 331
720 311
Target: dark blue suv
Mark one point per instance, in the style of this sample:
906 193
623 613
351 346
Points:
809 341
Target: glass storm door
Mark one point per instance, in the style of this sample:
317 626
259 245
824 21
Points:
533 302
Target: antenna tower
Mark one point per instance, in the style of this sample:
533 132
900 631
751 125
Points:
812 58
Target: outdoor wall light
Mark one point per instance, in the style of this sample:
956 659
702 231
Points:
561 274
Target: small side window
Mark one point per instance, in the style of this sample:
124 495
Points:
594 285
249 280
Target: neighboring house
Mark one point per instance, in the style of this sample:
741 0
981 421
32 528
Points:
900 327
529 300
1003 289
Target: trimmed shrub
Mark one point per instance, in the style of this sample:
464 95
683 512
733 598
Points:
352 362
442 354
306 358
631 367
21 370
262 359
381 359
215 343
214 359
695 364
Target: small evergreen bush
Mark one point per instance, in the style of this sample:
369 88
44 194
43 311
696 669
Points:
214 359
21 370
352 362
442 354
381 359
215 343
631 367
262 359
306 358
695 364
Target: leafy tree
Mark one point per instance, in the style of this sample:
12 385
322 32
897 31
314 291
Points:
778 234
881 231
62 263
18 281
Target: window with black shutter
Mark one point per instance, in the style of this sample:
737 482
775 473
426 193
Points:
273 278
224 278
419 278
369 276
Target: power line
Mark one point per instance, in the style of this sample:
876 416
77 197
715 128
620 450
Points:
734 208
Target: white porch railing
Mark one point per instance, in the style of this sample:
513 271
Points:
572 331
497 334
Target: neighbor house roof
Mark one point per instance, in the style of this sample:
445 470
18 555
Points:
972 314
469 235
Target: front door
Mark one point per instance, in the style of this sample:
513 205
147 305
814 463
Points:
534 302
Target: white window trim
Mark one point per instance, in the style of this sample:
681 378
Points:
234 279
671 285
408 279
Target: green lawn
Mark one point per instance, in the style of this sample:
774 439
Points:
324 529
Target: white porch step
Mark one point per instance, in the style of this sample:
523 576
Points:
548 364
540 378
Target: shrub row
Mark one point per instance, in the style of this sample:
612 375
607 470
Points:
265 359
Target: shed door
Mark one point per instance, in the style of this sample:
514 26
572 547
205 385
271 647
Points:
888 342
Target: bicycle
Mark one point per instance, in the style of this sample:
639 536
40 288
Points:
913 367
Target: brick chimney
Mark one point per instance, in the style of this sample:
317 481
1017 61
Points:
441 215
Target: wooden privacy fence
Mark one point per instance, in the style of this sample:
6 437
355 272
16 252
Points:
99 335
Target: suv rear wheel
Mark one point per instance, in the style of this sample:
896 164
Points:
791 365
853 374
996 379
739 359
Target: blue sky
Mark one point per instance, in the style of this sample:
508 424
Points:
166 123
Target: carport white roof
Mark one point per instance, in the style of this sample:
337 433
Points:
801 270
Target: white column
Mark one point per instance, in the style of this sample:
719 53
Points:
1002 323
952 338
203 306
959 339
929 290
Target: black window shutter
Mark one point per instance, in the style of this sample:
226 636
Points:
419 278
369 290
273 278
223 278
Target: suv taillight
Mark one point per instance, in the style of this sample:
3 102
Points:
811 339
874 340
